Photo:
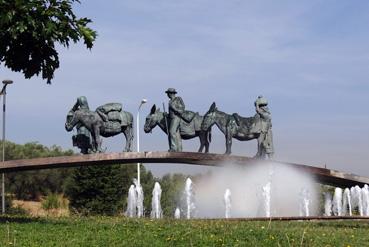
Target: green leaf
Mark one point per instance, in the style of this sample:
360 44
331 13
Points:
36 27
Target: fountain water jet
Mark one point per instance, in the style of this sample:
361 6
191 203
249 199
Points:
365 199
327 204
177 213
267 192
156 211
357 201
304 202
227 203
140 199
266 199
189 199
346 204
337 202
131 202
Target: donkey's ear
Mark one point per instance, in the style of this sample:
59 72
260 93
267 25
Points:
153 109
212 107
157 110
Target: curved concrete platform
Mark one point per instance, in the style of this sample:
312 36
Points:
322 175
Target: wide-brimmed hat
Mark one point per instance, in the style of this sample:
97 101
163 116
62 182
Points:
171 90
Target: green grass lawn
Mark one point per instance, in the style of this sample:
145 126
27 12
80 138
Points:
119 231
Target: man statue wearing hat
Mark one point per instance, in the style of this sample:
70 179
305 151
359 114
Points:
176 109
82 139
263 123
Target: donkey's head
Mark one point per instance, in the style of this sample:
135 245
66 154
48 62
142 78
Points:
71 121
152 119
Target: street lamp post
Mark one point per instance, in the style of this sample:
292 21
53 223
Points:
3 93
143 101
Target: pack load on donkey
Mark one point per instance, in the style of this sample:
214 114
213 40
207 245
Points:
111 114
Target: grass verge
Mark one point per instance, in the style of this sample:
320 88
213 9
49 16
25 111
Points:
119 231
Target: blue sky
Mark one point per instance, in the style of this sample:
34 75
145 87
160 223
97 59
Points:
309 58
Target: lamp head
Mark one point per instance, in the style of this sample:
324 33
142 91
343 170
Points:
143 101
6 82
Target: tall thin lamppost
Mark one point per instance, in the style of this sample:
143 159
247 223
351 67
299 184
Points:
143 101
3 93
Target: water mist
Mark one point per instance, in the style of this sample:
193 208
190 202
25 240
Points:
265 189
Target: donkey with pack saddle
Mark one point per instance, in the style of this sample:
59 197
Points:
108 120
231 125
188 130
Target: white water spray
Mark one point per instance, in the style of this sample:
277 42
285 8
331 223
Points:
357 202
365 199
189 199
266 192
156 211
227 203
304 202
266 199
262 190
337 202
346 204
327 204
177 213
131 202
140 199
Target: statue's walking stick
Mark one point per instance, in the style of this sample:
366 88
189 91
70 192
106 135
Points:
167 124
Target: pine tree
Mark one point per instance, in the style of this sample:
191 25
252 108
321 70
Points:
96 190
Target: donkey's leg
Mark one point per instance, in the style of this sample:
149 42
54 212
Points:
97 139
94 145
207 141
124 131
228 137
128 133
202 141
131 137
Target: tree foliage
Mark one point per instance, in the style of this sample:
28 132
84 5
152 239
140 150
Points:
103 189
95 190
30 185
91 190
172 192
29 30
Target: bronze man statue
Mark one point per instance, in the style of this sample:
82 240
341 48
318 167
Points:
176 109
263 123
82 139
81 104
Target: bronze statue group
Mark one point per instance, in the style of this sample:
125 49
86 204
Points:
178 123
